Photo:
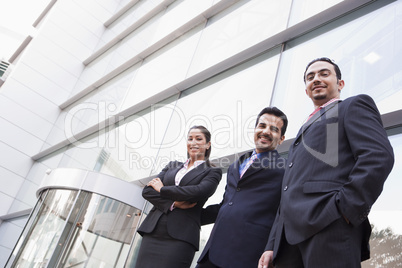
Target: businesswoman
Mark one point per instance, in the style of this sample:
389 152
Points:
171 230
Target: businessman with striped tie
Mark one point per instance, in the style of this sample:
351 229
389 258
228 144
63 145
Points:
244 218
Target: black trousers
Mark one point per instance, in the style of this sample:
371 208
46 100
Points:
336 246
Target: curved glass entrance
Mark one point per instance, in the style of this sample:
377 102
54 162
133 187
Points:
75 227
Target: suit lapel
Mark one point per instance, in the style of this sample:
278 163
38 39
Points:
170 178
192 174
236 171
316 117
259 164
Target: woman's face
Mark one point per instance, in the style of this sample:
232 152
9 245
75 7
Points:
197 144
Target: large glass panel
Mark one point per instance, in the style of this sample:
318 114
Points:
227 105
123 51
105 101
97 106
304 9
136 244
101 238
26 231
386 217
132 147
47 229
74 229
85 153
150 32
140 9
365 47
237 28
126 150
179 13
163 69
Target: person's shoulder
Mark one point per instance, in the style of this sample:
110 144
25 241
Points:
215 169
174 163
360 97
363 101
274 160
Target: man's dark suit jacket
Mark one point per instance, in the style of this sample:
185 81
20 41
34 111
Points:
196 186
246 213
337 166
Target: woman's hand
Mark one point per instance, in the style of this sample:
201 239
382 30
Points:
156 184
184 204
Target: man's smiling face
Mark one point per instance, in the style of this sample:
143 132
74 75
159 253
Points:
267 133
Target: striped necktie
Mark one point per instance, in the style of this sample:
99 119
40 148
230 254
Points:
249 162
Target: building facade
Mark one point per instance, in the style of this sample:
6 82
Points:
112 86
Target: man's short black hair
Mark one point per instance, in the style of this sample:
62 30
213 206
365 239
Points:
336 67
276 112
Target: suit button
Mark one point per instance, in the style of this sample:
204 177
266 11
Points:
285 188
291 164
230 203
238 189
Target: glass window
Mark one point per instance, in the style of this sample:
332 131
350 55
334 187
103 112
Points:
68 231
100 240
36 249
163 69
177 14
84 154
365 47
227 105
96 107
133 145
386 217
140 39
100 207
304 9
108 205
106 99
237 28
121 52
140 9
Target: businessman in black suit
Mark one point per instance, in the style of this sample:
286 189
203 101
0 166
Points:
244 218
336 169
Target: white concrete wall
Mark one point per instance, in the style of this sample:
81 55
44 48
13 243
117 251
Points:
43 78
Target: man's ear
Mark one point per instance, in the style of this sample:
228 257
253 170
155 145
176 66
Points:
341 84
282 139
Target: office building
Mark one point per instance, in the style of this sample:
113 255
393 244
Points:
99 99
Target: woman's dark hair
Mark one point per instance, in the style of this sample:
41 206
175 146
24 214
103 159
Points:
207 135
276 112
336 67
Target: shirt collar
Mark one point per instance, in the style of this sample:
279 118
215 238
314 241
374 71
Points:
323 106
260 155
196 163
329 102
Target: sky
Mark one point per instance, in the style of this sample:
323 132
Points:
16 19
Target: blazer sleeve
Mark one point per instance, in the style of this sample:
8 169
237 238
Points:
373 156
272 234
150 194
194 192
209 214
